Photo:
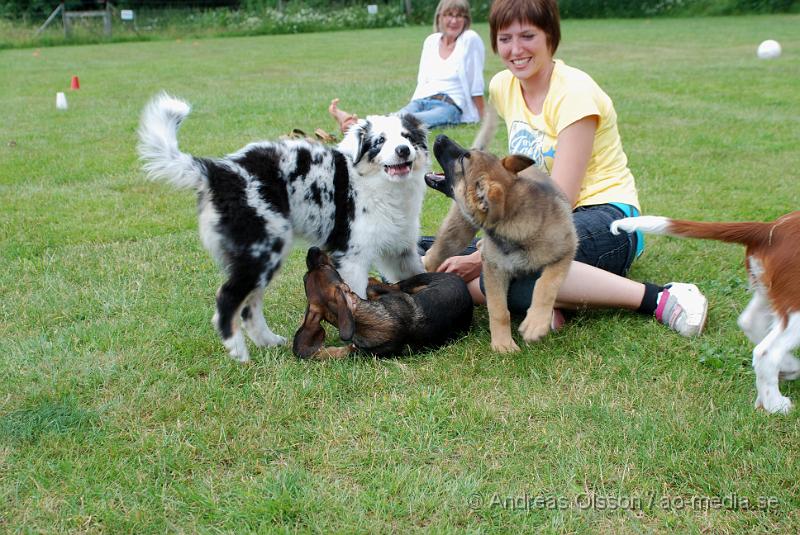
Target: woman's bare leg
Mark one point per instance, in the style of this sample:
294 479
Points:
586 287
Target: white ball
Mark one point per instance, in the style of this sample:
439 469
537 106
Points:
769 49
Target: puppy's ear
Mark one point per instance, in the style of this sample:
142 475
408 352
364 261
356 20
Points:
516 163
352 144
313 258
309 337
497 201
361 149
415 130
491 198
344 316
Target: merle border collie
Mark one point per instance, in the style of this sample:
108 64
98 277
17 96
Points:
359 201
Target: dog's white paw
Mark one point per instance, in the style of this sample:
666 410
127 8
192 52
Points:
774 403
266 338
237 347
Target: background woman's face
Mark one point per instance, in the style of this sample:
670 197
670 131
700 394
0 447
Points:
452 22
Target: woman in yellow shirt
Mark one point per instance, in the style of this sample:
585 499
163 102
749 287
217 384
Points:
558 116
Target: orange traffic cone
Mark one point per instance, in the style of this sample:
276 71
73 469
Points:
75 84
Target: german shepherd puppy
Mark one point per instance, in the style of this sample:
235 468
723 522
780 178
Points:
423 311
527 227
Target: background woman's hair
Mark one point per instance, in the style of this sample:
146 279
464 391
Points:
459 6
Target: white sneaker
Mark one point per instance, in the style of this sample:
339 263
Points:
682 308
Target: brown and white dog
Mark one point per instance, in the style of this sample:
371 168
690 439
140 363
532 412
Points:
772 319
423 311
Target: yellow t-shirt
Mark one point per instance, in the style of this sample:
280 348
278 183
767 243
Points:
573 95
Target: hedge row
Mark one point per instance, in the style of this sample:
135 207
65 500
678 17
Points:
422 10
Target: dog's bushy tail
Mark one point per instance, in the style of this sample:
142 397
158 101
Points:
488 128
158 143
745 233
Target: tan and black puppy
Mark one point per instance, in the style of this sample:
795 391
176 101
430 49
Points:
527 227
423 311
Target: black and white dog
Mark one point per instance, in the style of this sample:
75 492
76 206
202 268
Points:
360 201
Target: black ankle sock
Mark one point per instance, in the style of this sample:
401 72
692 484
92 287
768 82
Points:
650 299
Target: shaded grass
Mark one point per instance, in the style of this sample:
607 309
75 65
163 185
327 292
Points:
120 412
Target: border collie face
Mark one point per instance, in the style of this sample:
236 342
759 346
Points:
392 145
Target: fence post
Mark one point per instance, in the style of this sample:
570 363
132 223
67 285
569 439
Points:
67 22
107 20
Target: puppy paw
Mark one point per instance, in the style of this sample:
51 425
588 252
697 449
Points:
242 357
237 348
774 403
533 328
505 346
266 339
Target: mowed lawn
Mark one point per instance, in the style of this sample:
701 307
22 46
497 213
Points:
120 412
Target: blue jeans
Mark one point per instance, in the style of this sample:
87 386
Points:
596 247
433 112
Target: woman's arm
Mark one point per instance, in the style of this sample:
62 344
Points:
574 149
423 73
473 61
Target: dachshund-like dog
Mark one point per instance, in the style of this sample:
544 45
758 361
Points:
424 311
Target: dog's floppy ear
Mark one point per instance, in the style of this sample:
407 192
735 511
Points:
360 148
309 337
344 316
491 197
516 163
359 134
314 258
415 129
352 144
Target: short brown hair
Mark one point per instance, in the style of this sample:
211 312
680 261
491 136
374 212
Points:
541 13
460 6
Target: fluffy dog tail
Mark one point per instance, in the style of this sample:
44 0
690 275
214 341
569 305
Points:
745 233
488 128
158 143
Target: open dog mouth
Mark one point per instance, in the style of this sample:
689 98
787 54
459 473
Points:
436 181
397 169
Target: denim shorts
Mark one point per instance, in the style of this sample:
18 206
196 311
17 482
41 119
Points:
433 112
596 247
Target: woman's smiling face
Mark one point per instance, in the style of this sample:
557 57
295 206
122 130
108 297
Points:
452 23
524 49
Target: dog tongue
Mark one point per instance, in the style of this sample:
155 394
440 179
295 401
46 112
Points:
400 169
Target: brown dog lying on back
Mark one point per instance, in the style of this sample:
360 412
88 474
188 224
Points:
527 226
424 311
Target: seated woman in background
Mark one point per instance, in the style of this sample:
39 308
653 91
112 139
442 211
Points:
450 80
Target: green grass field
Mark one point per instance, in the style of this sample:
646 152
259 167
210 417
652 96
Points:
119 411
